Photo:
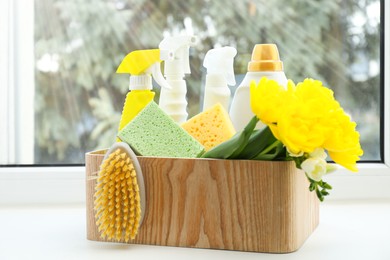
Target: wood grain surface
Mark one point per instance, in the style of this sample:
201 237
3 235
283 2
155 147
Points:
241 205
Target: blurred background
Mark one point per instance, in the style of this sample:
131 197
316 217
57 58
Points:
78 45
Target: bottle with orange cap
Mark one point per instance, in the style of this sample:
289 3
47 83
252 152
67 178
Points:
265 62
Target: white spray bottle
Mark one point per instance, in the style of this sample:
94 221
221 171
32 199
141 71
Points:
265 62
220 74
173 101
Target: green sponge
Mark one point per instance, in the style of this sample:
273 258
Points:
154 133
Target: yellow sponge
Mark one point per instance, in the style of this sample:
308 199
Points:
211 127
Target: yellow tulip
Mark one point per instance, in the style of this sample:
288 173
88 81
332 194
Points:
306 117
264 97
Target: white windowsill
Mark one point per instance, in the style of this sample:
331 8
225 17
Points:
347 230
64 185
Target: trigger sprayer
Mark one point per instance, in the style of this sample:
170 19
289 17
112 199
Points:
142 65
173 101
220 74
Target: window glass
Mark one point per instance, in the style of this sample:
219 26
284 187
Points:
79 44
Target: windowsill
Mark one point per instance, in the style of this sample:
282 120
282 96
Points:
66 185
347 230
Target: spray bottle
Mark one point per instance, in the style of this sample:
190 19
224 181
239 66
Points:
265 62
173 101
220 74
141 65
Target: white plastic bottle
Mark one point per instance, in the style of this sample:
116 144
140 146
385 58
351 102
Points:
173 101
265 62
220 74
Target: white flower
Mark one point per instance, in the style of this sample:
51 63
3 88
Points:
318 153
315 168
294 154
331 168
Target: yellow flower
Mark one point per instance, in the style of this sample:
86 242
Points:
305 117
343 144
304 126
263 99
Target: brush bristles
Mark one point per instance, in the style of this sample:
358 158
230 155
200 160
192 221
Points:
117 200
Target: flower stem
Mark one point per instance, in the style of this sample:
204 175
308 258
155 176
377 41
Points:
269 148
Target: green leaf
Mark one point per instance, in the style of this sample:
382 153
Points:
232 148
259 140
326 186
316 185
271 152
324 192
247 132
319 195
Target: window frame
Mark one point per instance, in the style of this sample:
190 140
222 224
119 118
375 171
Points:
17 104
66 184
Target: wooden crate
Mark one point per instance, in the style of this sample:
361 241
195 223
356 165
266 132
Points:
241 205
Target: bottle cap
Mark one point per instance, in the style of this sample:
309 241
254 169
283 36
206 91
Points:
265 57
140 82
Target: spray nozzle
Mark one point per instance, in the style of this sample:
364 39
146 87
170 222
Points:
143 63
158 77
179 46
220 61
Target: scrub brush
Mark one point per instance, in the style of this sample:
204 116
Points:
119 194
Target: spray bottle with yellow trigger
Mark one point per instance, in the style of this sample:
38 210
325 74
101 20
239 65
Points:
141 65
173 101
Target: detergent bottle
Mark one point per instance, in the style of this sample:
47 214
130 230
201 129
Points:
220 74
173 101
141 65
265 62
